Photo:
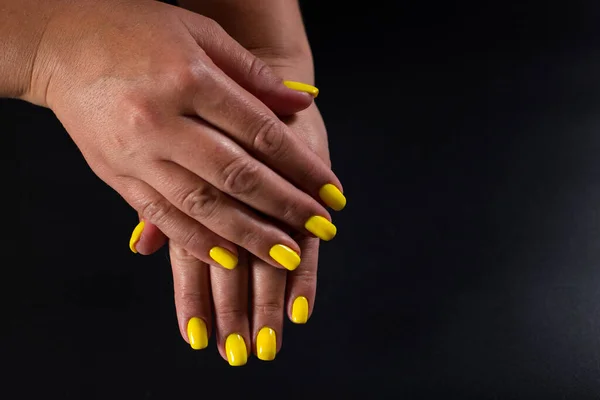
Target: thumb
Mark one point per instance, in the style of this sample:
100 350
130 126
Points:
246 69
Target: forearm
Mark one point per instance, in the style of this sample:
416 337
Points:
22 27
272 29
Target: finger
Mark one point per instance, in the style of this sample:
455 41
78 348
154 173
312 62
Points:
191 282
223 215
207 153
268 305
222 102
230 299
266 137
146 238
302 283
191 235
247 70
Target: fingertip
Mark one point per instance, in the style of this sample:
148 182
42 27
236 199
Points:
136 236
300 311
300 87
289 102
146 239
224 257
285 256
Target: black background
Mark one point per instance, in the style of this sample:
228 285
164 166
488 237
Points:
467 137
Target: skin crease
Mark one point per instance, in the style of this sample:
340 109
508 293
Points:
274 31
121 102
258 27
273 291
166 126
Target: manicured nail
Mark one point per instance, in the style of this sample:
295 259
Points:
197 333
285 256
300 310
302 87
235 347
266 344
223 257
135 236
321 227
332 196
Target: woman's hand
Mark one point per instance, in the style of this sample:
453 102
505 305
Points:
271 293
174 115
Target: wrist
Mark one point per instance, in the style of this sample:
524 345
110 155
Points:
23 28
49 52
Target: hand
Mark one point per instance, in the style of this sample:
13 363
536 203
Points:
270 292
173 114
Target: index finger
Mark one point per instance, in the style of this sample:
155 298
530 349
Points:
223 103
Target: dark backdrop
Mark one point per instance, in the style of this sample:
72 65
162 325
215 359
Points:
468 260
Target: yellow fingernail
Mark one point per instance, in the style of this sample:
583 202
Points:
223 257
300 310
332 196
285 256
135 236
235 347
321 227
197 333
302 87
266 344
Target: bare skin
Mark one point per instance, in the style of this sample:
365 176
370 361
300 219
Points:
145 90
269 292
173 114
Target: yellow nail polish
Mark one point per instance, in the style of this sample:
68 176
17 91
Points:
321 227
223 257
197 333
135 236
266 344
235 348
300 310
332 196
285 256
302 87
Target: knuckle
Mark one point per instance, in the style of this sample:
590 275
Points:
269 310
137 122
181 257
202 202
186 75
192 240
210 24
310 173
259 69
156 210
250 238
306 278
190 300
212 32
290 212
230 312
241 176
269 137
140 115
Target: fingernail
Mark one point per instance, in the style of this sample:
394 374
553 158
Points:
223 257
300 310
321 227
135 236
197 333
266 344
302 87
285 256
235 347
332 196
